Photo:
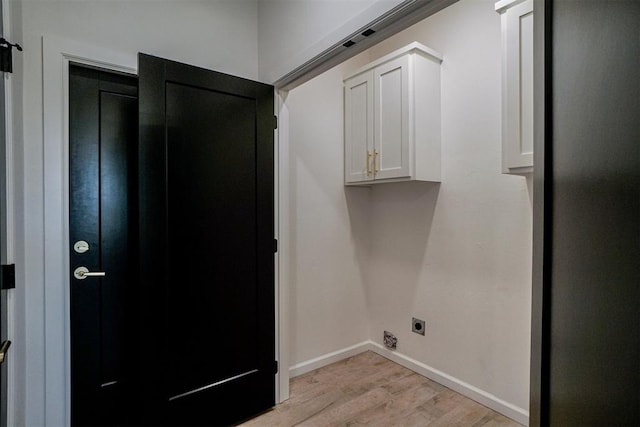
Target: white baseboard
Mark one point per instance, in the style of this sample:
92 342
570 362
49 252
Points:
328 359
487 399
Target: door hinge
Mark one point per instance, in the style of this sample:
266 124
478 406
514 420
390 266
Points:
4 347
275 366
275 122
6 59
8 276
275 245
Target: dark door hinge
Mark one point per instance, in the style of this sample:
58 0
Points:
275 366
275 122
8 276
275 245
4 348
6 57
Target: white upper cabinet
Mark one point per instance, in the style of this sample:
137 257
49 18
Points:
517 85
392 118
358 119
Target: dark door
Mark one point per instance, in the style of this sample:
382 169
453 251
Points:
103 132
591 308
206 245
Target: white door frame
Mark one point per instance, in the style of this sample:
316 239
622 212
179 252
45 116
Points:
9 248
56 55
282 256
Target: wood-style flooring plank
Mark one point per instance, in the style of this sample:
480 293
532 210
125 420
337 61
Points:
398 406
370 390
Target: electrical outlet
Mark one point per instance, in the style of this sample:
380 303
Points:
417 326
390 341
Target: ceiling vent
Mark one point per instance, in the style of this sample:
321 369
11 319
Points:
397 19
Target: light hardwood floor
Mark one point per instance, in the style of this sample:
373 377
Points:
368 389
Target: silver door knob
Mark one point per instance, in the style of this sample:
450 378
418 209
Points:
82 273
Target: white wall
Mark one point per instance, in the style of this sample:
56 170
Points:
329 230
459 256
292 32
220 35
456 254
217 34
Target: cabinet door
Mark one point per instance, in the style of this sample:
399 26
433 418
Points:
391 109
358 128
518 89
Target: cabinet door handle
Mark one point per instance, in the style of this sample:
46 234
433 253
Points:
375 162
368 160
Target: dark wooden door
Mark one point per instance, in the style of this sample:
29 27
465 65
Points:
103 132
206 245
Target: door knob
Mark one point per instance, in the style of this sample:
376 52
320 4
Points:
82 273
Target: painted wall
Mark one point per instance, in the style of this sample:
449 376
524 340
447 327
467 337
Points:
220 34
456 254
294 31
329 254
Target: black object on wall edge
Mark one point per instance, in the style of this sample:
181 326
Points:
8 276
6 58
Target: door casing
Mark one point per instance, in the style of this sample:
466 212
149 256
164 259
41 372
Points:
57 53
7 250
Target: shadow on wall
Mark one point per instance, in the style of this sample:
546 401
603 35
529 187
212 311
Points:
402 215
358 200
397 234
